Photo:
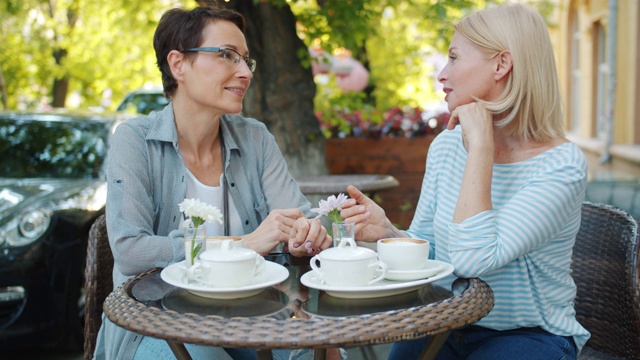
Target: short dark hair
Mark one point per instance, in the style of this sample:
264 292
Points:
181 29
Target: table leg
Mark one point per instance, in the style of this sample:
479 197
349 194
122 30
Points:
264 354
179 350
433 346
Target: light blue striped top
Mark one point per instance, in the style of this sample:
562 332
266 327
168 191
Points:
522 248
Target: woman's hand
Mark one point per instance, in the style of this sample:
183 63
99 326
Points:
371 221
275 229
478 139
308 237
476 123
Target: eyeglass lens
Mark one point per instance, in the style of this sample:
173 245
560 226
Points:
231 55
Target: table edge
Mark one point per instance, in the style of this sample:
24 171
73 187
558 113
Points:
264 332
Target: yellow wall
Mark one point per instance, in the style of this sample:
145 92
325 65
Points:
625 143
627 65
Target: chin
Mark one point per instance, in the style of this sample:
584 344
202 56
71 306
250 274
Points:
235 110
451 106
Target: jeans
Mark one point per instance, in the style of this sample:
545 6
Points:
478 343
157 349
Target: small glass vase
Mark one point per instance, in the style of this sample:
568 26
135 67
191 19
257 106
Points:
343 231
194 243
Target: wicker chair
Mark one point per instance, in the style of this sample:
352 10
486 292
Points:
605 269
98 282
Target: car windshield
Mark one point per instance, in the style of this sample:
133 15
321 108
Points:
52 149
143 102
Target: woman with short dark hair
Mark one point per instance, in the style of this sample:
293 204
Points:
196 149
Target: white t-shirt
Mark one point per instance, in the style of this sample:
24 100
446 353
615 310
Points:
214 195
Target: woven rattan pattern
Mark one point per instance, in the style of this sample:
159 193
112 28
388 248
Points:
98 282
605 270
473 303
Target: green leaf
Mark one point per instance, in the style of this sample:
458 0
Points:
195 251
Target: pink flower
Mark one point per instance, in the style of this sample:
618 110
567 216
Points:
331 207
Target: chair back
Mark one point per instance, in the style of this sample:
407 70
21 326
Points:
98 282
605 270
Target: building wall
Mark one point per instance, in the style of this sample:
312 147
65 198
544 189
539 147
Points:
581 37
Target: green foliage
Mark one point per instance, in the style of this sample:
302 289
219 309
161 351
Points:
106 46
398 43
103 45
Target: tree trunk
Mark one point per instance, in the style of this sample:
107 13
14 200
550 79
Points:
282 91
60 86
60 90
3 91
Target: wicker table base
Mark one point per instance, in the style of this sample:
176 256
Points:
473 301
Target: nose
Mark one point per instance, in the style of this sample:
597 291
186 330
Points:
243 69
442 76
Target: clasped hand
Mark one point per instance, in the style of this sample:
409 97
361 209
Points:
304 236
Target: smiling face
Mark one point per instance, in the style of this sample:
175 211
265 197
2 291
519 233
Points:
469 73
208 80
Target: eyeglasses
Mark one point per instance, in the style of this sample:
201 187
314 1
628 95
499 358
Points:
230 56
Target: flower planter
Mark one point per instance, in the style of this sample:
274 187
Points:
403 158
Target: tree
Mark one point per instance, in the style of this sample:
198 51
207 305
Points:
50 49
283 89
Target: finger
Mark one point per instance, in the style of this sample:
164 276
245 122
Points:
353 214
453 120
357 195
349 203
285 217
327 242
316 235
298 234
293 213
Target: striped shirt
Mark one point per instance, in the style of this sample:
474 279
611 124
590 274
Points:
522 247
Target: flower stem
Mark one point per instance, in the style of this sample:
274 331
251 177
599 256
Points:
195 249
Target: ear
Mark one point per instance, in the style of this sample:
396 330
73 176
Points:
176 61
503 65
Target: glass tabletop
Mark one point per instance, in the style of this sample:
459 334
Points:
289 299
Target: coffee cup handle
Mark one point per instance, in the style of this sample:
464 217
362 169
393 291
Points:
314 264
380 267
191 272
260 264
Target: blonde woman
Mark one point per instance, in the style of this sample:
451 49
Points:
502 192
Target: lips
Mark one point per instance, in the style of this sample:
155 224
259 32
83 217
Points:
237 90
447 91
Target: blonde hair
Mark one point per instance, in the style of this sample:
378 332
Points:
530 106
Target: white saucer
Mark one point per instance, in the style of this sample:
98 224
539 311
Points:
382 288
272 274
431 268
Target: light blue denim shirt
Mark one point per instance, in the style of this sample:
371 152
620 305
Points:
146 182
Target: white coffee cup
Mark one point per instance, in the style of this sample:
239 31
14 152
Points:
348 265
227 266
403 254
214 242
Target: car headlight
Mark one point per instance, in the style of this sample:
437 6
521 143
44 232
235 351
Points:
26 228
33 224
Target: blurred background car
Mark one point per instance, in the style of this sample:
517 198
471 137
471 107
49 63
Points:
52 188
143 101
